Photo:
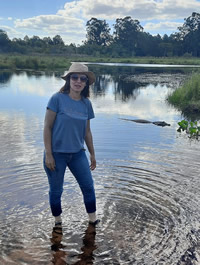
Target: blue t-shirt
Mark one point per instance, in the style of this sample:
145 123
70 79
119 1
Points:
69 128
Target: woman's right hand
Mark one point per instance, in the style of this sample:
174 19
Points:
50 162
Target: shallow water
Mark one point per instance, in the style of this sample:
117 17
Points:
147 177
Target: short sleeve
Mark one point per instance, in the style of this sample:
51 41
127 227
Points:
90 110
53 103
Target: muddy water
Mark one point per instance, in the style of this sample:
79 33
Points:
147 178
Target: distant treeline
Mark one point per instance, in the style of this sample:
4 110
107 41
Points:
127 40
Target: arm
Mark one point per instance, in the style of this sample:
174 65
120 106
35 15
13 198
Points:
48 125
90 146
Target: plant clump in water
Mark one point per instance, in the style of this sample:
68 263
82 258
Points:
187 97
190 128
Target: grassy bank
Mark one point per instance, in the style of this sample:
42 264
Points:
187 97
33 62
144 60
41 62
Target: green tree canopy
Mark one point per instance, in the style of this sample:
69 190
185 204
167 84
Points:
191 24
4 41
98 32
189 35
126 32
57 40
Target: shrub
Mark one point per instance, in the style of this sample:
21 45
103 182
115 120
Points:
187 97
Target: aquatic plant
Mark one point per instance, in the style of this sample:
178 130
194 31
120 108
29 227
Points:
191 128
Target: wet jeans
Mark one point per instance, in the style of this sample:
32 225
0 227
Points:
79 166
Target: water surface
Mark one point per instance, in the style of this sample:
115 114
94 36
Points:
147 177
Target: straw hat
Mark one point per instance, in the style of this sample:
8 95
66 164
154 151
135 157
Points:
79 68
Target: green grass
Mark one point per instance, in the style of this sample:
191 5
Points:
143 60
50 62
187 97
33 62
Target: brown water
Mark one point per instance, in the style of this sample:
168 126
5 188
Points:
147 178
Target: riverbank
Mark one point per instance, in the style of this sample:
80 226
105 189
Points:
187 97
42 62
145 60
34 62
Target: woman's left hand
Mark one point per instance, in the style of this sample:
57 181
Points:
93 162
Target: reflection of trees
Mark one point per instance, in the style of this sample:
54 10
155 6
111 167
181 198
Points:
124 90
126 80
5 77
121 69
121 89
101 85
36 74
39 74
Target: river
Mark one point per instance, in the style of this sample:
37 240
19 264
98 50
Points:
147 176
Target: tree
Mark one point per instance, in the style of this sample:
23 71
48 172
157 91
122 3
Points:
35 41
190 25
48 41
126 31
189 34
26 39
148 45
57 40
4 41
98 32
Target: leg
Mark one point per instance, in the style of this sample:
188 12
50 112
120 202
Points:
79 167
56 179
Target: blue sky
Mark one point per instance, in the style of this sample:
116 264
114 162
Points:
68 18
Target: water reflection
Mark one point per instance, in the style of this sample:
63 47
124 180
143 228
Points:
147 177
86 257
60 255
5 77
125 90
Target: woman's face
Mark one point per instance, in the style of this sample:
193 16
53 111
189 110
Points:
77 82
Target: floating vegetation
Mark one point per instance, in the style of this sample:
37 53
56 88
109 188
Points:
191 128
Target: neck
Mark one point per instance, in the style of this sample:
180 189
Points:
74 95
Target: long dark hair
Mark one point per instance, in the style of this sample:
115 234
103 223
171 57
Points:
66 88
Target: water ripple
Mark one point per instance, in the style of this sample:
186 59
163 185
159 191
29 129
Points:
147 199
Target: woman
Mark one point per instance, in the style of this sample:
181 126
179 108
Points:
66 128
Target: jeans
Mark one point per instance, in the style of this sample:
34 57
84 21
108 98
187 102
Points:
79 166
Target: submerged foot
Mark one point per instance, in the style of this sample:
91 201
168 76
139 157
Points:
95 222
58 228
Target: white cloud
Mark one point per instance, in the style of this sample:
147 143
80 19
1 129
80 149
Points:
70 21
141 10
151 96
174 9
71 29
107 9
162 26
51 23
11 31
10 18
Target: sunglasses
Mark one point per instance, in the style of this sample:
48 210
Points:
82 78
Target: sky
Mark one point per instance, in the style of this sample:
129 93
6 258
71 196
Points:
48 18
